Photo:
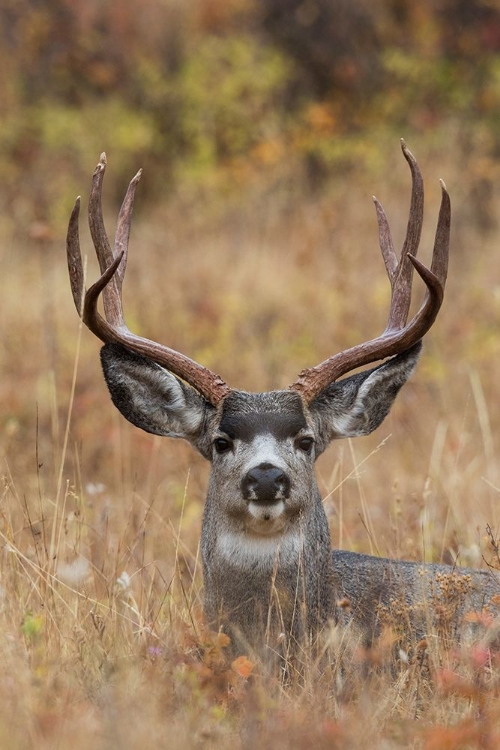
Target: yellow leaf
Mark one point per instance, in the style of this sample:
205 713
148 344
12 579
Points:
223 640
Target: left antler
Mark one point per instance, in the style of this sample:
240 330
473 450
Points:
112 264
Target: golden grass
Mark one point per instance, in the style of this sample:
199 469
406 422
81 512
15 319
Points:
101 634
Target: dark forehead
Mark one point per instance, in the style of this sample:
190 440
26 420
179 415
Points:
245 415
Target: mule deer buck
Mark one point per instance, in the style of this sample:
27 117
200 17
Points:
267 561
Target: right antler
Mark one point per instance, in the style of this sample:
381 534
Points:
398 335
112 265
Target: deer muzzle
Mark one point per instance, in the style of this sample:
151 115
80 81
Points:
265 484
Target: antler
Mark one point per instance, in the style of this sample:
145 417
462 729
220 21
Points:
112 264
398 335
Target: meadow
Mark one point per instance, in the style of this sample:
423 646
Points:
102 636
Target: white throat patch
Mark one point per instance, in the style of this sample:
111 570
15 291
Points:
242 549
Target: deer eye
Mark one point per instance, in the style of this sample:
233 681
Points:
305 444
222 445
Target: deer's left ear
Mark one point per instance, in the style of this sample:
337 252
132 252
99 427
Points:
357 405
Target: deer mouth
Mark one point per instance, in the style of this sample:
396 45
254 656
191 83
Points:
266 518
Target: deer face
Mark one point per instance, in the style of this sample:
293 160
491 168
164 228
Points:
262 446
262 460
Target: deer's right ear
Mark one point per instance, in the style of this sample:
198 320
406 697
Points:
153 399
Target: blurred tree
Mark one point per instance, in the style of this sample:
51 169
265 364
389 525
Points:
335 46
219 92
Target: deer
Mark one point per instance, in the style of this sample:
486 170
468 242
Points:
270 574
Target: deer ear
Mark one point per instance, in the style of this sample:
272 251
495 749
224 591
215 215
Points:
357 405
153 399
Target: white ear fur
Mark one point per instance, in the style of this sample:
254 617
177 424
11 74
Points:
357 420
358 404
151 397
161 396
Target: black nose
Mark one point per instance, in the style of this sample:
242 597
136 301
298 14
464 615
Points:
265 483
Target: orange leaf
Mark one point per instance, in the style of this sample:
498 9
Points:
451 738
483 618
243 666
451 683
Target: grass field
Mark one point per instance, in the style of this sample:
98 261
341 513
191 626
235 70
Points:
102 641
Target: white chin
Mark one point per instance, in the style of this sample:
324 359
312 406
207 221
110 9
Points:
266 519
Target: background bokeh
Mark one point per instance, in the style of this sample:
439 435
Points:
263 127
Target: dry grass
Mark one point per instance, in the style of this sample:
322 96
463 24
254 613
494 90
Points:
102 641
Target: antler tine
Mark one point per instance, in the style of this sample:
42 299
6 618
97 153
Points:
439 265
112 293
385 242
401 273
398 336
113 328
74 257
122 233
